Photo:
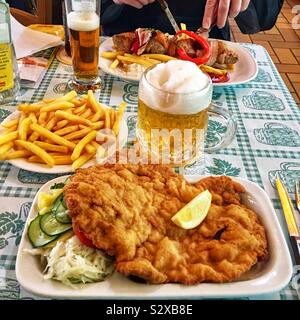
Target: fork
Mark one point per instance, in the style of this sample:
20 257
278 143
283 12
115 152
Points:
297 197
202 31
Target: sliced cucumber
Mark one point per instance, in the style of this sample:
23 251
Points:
61 212
64 203
36 235
62 237
57 203
59 208
51 226
63 216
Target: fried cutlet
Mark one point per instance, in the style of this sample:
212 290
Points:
126 211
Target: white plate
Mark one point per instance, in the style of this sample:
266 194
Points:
245 69
43 168
270 276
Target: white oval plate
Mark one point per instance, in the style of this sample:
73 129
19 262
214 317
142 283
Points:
43 168
245 69
269 277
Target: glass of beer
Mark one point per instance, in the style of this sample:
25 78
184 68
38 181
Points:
175 102
83 20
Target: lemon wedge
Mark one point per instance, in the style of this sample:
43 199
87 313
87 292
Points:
193 213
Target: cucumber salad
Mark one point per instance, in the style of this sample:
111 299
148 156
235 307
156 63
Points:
67 259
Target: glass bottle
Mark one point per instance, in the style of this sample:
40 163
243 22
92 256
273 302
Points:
9 72
67 40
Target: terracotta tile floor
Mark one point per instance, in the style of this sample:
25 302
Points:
283 44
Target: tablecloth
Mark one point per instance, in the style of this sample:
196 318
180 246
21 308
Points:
267 145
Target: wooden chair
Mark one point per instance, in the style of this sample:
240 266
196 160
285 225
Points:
43 14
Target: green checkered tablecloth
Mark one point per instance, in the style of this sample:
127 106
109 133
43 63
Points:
267 145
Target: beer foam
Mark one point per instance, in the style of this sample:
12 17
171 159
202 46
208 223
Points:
177 87
83 21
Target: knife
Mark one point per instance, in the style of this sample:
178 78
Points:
169 15
290 219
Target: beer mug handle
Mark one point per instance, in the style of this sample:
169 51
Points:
216 112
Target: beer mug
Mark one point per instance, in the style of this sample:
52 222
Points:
173 112
83 20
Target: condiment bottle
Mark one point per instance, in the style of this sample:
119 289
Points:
9 73
67 40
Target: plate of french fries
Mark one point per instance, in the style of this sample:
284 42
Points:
131 67
63 134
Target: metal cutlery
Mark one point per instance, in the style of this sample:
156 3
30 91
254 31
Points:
290 219
297 195
169 15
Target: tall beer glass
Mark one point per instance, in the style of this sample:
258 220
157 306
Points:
175 100
83 20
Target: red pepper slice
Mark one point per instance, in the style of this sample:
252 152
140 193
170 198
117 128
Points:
204 44
135 46
219 78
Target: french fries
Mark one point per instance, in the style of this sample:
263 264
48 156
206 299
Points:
119 58
83 159
66 130
59 131
51 147
147 59
137 60
58 159
57 106
37 151
114 64
52 136
17 154
90 149
24 127
216 71
94 104
9 137
82 143
71 117
111 54
158 57
10 123
107 119
78 134
30 107
4 148
116 126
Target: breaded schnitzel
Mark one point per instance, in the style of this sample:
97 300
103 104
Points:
126 210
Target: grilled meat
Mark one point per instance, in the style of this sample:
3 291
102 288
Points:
225 55
155 41
158 43
123 41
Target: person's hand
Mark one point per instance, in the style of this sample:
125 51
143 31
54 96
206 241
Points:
223 9
134 3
